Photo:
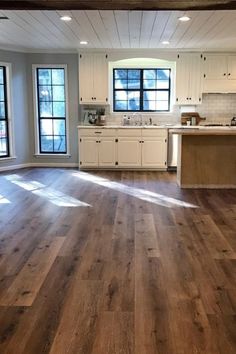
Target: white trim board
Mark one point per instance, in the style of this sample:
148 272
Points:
37 164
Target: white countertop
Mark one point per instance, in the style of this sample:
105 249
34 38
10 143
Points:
162 126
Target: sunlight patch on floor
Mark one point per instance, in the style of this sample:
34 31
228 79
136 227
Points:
139 193
4 200
52 195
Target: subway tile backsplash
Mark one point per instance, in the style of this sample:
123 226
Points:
218 107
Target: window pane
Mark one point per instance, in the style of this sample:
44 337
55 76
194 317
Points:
134 74
149 74
44 76
1 76
133 101
120 84
60 143
163 74
149 105
3 147
162 84
121 95
121 74
2 96
162 95
149 84
2 110
121 105
46 143
45 93
162 105
59 127
149 95
3 129
133 84
45 109
46 127
59 109
58 93
58 77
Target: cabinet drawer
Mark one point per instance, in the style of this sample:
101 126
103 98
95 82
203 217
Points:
97 132
154 132
130 132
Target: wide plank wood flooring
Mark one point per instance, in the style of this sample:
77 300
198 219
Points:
115 263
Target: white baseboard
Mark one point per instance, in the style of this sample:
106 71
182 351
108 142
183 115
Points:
37 164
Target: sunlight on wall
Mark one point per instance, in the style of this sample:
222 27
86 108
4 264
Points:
139 193
53 196
3 200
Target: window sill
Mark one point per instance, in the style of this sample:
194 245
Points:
55 156
8 158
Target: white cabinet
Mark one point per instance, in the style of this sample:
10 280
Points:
97 148
219 73
93 78
123 148
188 79
129 152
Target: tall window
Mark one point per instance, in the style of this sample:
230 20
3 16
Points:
4 126
51 106
143 90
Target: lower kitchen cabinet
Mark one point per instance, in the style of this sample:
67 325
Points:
154 152
123 148
129 152
97 152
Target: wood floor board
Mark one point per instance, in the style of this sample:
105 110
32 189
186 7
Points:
143 268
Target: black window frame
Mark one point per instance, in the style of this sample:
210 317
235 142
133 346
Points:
43 152
6 118
142 89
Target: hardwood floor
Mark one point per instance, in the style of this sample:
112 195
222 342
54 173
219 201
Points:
115 263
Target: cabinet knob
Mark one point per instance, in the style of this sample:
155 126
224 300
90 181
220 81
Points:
224 74
190 98
229 74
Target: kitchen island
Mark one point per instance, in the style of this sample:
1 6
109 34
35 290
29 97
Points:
207 157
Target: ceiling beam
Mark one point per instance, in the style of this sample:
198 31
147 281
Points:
118 5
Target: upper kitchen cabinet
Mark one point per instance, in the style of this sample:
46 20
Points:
219 73
93 78
188 79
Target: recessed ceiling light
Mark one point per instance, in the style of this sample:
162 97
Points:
66 18
166 42
184 18
83 42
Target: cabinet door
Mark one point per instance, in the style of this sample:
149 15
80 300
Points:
195 87
86 78
215 67
107 150
154 152
232 67
100 69
129 152
88 152
182 79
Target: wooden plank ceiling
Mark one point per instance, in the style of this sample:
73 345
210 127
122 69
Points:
118 4
43 30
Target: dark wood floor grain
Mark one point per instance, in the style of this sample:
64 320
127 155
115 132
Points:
115 263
